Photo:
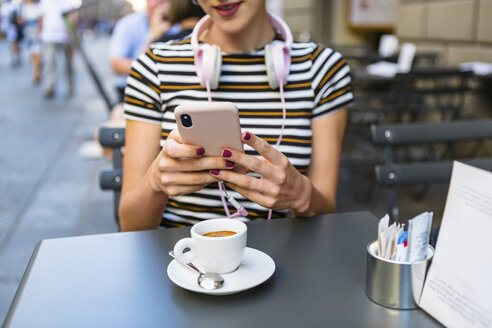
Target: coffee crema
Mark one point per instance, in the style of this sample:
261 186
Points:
222 233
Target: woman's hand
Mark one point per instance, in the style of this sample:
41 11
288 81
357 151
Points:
158 21
280 186
181 169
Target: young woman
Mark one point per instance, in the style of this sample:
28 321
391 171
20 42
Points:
167 182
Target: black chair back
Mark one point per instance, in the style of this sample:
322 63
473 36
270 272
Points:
112 179
393 136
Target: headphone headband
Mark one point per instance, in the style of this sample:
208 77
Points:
208 58
283 28
203 24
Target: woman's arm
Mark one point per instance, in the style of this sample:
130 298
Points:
325 162
121 66
141 206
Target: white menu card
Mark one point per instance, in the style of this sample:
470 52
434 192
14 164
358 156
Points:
458 288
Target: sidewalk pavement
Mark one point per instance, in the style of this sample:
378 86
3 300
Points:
48 189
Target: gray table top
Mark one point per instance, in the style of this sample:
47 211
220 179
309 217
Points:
120 280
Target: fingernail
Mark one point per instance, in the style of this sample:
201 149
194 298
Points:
229 164
226 153
200 151
246 136
215 172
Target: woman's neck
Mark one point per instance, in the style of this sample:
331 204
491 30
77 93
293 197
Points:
254 36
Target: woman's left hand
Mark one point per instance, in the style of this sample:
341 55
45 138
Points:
280 185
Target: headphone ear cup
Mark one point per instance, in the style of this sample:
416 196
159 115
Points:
217 68
208 62
270 67
277 60
198 61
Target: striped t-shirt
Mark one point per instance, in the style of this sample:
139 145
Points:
164 77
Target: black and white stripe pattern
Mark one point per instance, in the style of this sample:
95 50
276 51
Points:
164 77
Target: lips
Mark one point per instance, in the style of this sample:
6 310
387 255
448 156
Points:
228 9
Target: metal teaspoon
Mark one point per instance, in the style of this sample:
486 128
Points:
206 280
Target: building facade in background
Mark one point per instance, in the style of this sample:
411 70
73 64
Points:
461 30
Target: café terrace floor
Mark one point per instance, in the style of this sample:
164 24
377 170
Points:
50 190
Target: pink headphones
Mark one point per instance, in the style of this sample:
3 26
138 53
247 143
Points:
208 62
208 58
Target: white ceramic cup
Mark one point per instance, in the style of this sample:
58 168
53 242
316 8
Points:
214 254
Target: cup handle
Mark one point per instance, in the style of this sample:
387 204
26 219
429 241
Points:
180 246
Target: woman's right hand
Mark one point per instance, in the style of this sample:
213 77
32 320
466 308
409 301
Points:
181 168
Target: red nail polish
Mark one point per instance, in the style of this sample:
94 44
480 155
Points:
229 164
247 136
226 153
215 172
200 151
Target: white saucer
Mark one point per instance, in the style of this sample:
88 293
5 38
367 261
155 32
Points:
255 268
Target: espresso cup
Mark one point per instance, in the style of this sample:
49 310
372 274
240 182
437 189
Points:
221 254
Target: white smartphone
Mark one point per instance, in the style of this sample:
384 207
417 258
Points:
211 125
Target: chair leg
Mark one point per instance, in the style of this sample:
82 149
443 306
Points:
393 205
116 208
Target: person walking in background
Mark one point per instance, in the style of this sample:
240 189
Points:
30 16
3 19
14 30
56 38
185 15
131 37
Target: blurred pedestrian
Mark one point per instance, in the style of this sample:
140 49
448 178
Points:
132 36
56 38
14 30
30 15
3 19
185 14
